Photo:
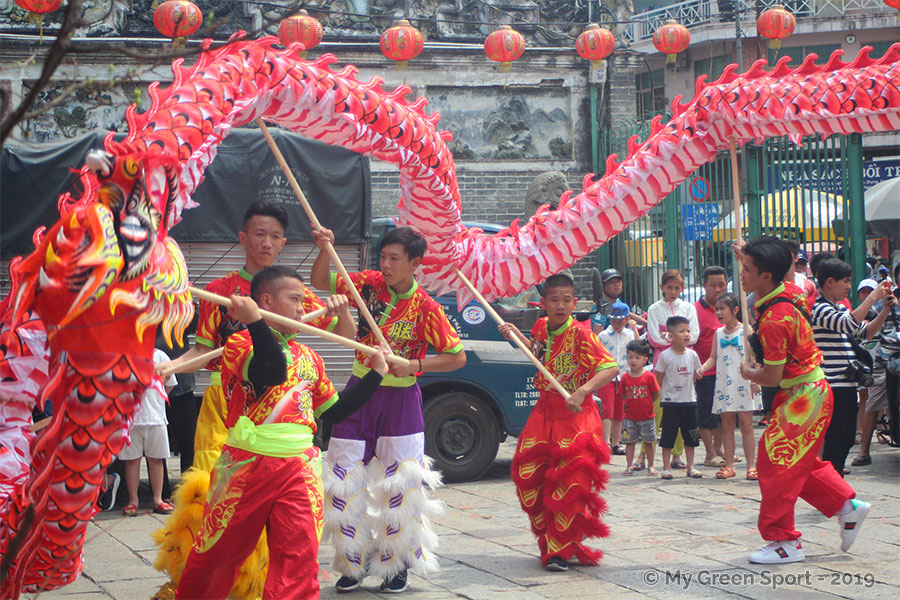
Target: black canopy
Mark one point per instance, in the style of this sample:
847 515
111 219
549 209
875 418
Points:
335 181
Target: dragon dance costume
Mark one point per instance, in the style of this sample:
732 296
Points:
788 456
377 512
176 539
557 466
268 474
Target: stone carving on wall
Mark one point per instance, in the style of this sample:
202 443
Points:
546 188
84 112
505 124
104 17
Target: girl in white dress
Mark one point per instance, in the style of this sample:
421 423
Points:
735 398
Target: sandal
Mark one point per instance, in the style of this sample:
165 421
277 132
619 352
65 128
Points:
652 471
638 466
862 460
738 459
130 511
725 473
163 508
694 474
678 464
715 461
666 475
752 474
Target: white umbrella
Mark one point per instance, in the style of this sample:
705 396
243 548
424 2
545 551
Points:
883 207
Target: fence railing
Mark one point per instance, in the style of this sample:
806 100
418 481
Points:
699 12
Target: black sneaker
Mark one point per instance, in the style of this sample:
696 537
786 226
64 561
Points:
618 450
347 584
107 499
557 564
395 585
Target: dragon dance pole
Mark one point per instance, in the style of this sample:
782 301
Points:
199 361
739 236
332 253
521 344
294 324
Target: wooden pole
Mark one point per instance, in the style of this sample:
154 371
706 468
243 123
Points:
332 253
739 236
294 324
520 343
199 361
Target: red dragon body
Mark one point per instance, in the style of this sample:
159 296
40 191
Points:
80 318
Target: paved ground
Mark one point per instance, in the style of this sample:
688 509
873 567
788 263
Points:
670 539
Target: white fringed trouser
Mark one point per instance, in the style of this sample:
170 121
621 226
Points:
379 516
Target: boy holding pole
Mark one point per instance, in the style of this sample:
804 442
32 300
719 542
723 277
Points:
562 446
377 512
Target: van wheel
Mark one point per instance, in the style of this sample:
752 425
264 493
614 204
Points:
461 435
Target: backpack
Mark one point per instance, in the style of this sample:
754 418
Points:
753 338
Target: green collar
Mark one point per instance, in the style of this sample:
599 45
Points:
406 295
561 328
770 295
245 274
284 341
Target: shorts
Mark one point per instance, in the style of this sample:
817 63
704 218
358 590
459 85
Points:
706 391
675 417
878 394
151 441
612 405
638 431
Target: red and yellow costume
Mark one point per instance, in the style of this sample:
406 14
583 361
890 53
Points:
176 539
557 464
268 475
788 456
213 330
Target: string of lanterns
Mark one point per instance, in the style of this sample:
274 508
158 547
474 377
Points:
178 19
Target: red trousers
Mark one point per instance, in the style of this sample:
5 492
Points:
248 492
557 470
788 461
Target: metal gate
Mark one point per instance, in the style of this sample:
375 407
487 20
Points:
799 192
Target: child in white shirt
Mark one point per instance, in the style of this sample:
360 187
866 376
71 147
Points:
149 438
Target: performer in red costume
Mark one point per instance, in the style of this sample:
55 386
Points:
263 238
269 473
557 464
788 463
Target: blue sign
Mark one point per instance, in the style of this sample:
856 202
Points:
699 189
699 220
827 176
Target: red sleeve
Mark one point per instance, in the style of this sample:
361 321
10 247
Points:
774 331
210 319
652 383
593 354
439 332
312 303
360 279
236 355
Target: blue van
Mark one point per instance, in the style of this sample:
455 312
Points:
470 411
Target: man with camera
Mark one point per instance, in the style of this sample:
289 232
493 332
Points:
847 366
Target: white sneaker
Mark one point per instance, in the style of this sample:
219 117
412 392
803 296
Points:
851 522
775 553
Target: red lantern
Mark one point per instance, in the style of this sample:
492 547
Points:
177 19
894 4
37 9
401 43
504 46
596 43
670 39
303 29
775 24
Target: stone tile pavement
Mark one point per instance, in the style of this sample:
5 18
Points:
685 538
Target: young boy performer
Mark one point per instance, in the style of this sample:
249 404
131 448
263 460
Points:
788 463
268 474
557 464
377 513
263 238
